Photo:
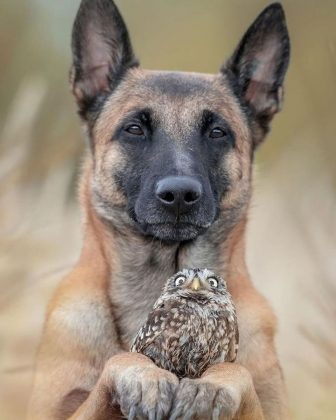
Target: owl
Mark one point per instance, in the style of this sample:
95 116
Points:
193 325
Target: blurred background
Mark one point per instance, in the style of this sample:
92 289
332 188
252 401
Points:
292 232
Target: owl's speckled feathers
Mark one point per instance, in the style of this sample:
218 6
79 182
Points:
193 324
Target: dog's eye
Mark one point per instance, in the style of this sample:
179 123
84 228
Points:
213 282
135 129
179 280
217 133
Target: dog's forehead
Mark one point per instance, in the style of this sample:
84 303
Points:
177 84
176 99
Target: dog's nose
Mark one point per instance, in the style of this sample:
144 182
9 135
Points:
178 193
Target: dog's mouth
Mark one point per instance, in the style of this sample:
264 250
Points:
172 226
172 232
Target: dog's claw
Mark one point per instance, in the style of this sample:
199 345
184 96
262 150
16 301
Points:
199 399
145 394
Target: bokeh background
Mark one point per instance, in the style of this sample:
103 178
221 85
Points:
292 232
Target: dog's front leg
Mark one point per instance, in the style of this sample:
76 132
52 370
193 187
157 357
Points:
132 383
225 391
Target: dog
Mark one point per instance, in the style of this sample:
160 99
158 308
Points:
166 185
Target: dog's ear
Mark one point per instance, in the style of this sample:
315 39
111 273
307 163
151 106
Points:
102 51
259 64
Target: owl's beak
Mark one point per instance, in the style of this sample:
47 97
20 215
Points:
195 284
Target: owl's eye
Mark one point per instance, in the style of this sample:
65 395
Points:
179 280
213 282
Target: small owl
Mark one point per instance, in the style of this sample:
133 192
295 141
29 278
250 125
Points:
193 324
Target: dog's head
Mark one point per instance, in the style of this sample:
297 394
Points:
174 150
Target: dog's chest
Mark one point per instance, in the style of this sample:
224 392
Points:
137 284
132 305
143 270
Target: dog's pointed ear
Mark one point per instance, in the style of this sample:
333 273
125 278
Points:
259 63
101 49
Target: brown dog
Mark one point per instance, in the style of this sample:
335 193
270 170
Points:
166 185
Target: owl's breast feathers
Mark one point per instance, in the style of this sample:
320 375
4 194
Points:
186 335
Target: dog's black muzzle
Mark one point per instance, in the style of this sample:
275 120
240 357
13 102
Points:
175 208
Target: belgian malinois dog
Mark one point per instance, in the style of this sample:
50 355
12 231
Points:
166 185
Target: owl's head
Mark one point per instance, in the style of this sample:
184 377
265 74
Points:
196 280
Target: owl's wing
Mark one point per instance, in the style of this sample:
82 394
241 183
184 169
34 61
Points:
232 326
151 330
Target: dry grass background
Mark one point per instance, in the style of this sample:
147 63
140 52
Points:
292 232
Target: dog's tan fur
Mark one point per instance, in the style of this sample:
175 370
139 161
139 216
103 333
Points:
81 344
83 361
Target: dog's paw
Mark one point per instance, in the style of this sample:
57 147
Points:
203 400
144 392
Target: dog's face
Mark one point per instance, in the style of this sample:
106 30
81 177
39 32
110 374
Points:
173 150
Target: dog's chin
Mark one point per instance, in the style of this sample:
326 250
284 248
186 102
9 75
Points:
172 232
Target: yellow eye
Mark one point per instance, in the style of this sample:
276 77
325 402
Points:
179 280
213 282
